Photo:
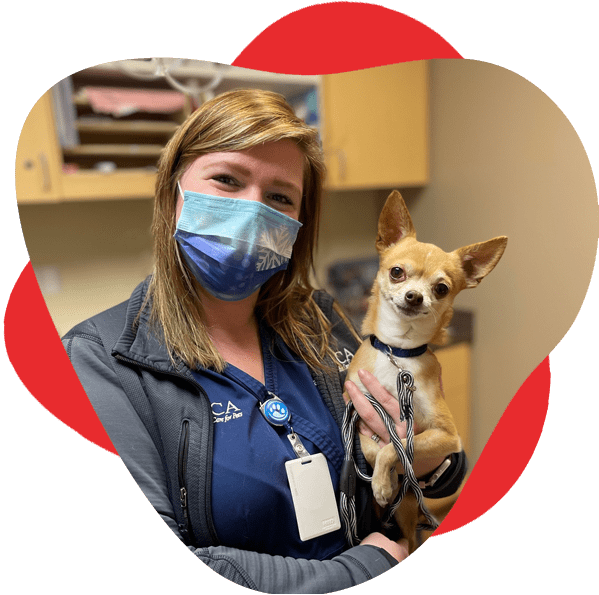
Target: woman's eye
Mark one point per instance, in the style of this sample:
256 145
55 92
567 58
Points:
397 274
280 198
227 180
441 289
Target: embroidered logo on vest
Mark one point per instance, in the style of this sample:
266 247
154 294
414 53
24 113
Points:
343 359
220 414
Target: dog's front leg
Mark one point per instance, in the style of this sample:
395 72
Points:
370 449
384 476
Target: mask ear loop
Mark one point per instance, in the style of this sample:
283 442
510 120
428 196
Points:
182 266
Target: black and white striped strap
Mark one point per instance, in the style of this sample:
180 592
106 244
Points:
350 472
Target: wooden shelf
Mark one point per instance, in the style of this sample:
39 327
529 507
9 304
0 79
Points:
202 72
126 127
113 151
80 100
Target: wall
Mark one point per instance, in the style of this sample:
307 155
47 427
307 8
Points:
348 227
506 161
88 255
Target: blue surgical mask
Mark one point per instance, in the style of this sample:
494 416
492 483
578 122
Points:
233 246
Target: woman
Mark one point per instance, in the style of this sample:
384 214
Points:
183 375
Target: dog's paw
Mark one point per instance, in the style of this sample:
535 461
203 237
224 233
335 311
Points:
382 492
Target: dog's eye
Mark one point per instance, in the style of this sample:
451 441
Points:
397 274
441 289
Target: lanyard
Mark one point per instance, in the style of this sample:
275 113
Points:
273 383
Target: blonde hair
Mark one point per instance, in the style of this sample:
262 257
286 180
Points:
235 121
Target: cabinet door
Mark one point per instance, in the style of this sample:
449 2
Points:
38 166
375 127
455 370
455 364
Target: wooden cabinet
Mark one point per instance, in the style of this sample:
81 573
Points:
455 364
38 166
375 127
455 371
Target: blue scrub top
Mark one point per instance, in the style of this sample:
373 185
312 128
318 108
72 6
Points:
252 506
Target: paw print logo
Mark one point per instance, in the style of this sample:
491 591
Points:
276 412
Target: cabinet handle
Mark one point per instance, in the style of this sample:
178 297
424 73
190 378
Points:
342 160
46 180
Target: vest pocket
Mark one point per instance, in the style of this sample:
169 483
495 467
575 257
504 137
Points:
184 527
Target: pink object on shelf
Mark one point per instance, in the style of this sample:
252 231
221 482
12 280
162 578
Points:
70 168
122 102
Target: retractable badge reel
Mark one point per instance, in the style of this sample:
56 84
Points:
309 479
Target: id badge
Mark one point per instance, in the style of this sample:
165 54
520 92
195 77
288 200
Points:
313 496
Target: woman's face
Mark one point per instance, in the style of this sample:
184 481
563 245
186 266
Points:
271 173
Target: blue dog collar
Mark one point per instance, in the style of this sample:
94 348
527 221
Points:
397 351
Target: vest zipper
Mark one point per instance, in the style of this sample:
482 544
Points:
182 494
182 469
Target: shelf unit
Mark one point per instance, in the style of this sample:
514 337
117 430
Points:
72 150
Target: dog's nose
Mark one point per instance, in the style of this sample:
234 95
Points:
414 298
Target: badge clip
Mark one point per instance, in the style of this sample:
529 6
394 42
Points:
298 448
275 411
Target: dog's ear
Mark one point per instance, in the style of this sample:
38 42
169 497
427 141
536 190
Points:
395 222
478 260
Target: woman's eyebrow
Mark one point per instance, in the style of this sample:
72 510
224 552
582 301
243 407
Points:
239 168
286 184
246 172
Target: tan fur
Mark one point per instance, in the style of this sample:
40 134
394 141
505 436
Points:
424 267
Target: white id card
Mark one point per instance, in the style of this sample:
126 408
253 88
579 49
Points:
313 496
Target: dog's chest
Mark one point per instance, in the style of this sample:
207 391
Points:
419 367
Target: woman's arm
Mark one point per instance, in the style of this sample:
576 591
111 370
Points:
276 574
270 574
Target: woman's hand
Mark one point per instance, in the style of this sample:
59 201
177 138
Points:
370 423
398 550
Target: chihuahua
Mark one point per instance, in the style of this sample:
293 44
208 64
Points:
409 308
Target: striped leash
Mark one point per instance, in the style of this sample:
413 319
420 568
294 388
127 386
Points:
350 472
